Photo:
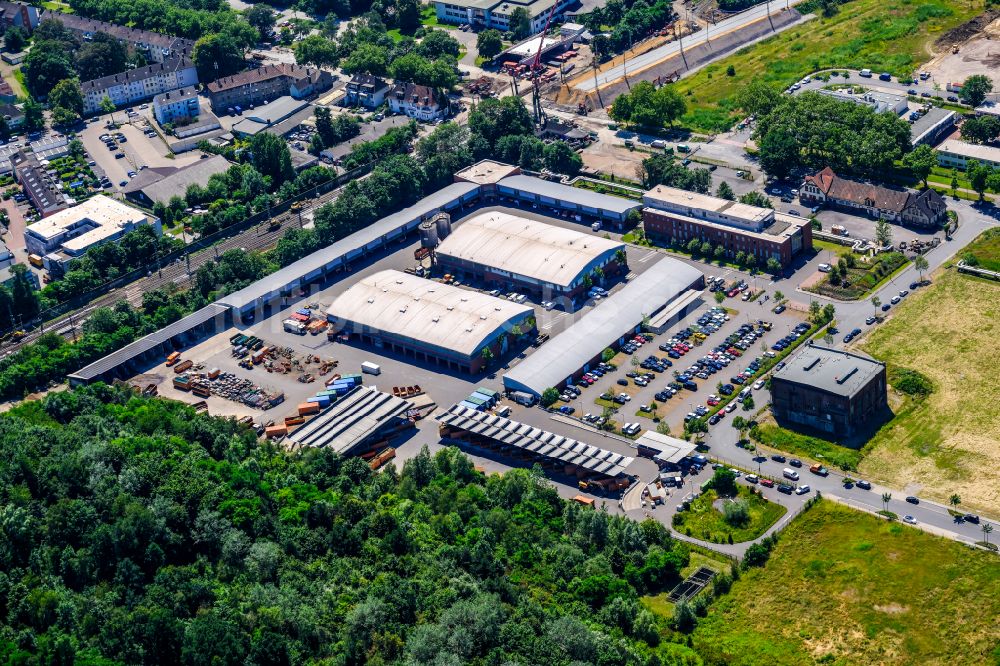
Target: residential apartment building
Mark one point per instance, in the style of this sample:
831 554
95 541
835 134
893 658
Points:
263 84
925 209
154 46
676 216
42 188
419 102
366 90
138 85
482 14
173 105
18 15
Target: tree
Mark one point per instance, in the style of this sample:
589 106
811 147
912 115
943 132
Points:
63 117
773 266
648 106
47 63
748 404
549 396
315 50
920 161
67 94
439 44
815 310
920 263
216 56
559 157
489 43
886 497
487 355
987 530
829 311
779 296
981 130
757 98
15 39
725 192
407 15
742 425
262 18
684 618
520 23
101 56
883 233
719 297
270 155
876 302
955 500
755 198
979 176
724 482
494 118
975 89
34 116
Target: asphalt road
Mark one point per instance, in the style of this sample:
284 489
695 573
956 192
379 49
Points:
650 58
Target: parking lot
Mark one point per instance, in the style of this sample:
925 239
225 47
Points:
137 150
678 383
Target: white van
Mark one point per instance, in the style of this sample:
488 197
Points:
596 226
790 473
825 268
659 143
744 394
867 73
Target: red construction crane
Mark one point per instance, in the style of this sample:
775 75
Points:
536 97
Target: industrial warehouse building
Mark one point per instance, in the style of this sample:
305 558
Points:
657 297
828 390
563 455
362 420
427 320
676 216
513 252
561 198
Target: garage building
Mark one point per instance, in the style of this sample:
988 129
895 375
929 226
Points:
566 199
563 455
427 320
527 255
658 297
362 420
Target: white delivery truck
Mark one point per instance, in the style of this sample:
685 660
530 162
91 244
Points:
370 368
294 326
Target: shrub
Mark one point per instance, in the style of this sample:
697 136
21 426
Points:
736 513
911 382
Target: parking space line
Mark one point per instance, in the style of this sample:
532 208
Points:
647 257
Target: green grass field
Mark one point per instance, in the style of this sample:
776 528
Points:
704 521
773 436
986 250
843 587
884 35
948 442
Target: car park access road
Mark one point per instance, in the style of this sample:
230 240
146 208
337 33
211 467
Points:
930 516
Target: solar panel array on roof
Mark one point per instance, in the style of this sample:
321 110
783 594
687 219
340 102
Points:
537 441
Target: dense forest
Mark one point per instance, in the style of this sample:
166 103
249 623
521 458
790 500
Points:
135 531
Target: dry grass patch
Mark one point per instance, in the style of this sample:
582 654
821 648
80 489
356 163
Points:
948 442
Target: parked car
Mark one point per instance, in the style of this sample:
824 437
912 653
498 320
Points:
802 490
864 485
909 520
912 500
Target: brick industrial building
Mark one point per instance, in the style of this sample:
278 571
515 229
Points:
676 216
830 391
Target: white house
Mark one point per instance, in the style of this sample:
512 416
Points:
176 104
419 102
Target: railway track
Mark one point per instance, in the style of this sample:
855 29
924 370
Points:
179 272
